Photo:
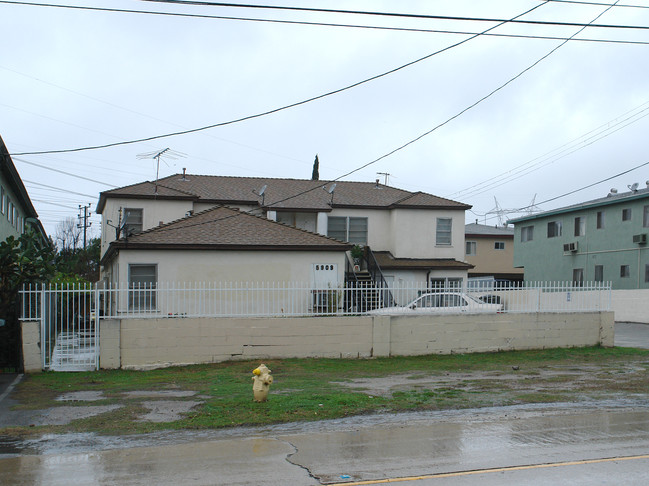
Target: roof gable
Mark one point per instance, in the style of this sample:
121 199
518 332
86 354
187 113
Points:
226 228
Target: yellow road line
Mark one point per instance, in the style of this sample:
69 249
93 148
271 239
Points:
499 469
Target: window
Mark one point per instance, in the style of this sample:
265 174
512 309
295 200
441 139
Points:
499 245
625 272
646 272
132 221
645 217
444 227
599 273
446 284
143 283
527 233
471 247
3 200
626 214
600 219
578 276
580 226
347 228
554 229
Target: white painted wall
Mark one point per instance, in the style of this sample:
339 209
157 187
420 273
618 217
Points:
231 266
630 305
153 212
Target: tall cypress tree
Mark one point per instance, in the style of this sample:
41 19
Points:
315 175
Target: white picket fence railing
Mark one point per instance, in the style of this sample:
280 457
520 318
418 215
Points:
83 304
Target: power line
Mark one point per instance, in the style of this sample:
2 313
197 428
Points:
355 26
59 189
395 14
548 158
62 171
275 110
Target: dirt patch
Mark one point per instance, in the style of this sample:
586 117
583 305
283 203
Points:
167 410
546 379
65 415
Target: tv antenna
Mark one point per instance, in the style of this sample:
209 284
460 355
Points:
261 193
160 154
386 175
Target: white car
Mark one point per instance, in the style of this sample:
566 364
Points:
441 303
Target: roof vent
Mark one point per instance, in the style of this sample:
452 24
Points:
612 192
184 177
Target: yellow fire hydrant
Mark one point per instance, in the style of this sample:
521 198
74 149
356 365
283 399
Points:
261 382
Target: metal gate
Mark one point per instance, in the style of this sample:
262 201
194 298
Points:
69 325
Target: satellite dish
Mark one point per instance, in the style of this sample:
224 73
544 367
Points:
633 187
263 189
331 189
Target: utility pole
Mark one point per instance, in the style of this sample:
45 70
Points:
83 221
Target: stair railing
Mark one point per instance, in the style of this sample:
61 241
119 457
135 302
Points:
381 284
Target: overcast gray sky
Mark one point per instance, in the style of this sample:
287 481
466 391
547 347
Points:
75 78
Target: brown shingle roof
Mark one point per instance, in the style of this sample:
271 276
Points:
387 261
283 194
225 228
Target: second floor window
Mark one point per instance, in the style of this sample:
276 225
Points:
554 229
499 245
527 233
471 247
645 217
132 221
626 214
580 226
443 233
348 228
600 219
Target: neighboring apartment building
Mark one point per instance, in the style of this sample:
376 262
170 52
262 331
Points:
413 236
490 249
603 240
16 209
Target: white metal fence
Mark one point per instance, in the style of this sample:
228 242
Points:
71 307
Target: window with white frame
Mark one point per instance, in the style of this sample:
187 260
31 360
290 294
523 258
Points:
626 214
580 226
499 245
348 228
578 276
443 235
471 247
143 284
133 218
527 233
555 228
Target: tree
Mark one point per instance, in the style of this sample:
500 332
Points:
68 235
24 260
315 175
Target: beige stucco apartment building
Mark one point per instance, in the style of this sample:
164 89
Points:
490 249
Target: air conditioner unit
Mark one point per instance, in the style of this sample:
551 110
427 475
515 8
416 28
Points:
641 239
568 247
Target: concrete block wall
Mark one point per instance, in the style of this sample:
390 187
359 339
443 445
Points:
145 343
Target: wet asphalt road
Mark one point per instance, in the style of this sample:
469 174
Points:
600 443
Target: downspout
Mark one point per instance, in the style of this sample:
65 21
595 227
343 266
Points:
428 280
